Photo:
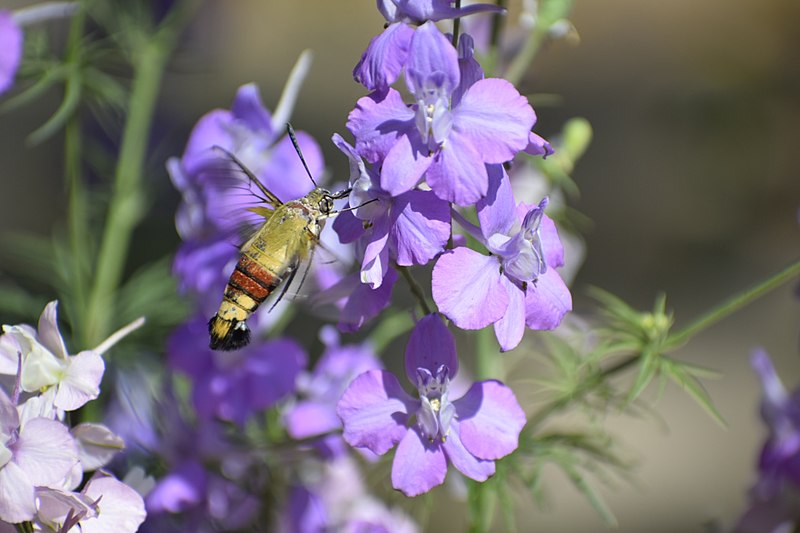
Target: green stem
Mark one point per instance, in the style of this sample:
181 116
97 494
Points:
519 65
487 355
416 290
497 25
539 416
78 215
734 304
482 500
127 203
456 25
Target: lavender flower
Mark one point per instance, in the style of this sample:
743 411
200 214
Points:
779 463
450 141
411 228
470 432
384 58
234 385
314 414
514 287
775 498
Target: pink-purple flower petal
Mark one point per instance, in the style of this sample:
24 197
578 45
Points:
494 116
547 301
466 463
422 227
511 326
11 38
467 288
430 346
497 210
431 53
374 411
405 163
383 60
418 465
458 173
377 122
490 420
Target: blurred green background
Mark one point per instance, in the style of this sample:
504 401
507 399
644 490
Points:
691 182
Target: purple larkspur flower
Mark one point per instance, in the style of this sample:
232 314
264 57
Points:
470 433
314 414
775 498
410 229
517 284
779 462
449 143
357 302
234 385
216 194
386 55
10 49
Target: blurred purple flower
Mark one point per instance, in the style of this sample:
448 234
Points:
780 458
10 49
471 432
517 285
315 414
448 141
411 228
357 302
385 57
335 499
234 385
775 498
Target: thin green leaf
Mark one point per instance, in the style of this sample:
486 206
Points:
648 367
594 499
72 98
49 78
694 387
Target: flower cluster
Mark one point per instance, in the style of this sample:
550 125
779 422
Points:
414 165
43 461
431 429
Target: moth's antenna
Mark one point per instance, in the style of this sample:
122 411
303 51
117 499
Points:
290 131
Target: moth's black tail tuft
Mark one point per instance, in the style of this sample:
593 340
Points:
227 335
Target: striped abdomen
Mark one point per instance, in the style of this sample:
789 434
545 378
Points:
249 285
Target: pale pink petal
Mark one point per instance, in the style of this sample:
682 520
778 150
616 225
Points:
81 383
121 509
97 445
45 451
49 335
17 502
